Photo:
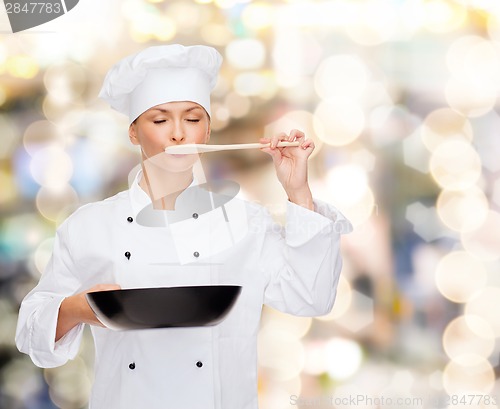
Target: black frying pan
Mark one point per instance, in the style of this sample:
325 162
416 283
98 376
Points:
163 307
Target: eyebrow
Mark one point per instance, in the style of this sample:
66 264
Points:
166 110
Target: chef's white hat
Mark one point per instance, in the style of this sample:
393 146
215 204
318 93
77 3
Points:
162 74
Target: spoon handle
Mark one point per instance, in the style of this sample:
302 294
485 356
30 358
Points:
201 148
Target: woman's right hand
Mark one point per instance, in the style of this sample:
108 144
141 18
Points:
75 310
87 314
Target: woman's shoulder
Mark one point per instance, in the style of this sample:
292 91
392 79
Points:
257 213
100 210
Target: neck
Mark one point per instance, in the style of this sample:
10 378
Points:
164 187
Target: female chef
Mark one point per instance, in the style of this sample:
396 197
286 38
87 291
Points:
165 91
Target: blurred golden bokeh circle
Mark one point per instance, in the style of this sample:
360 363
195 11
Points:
473 57
493 26
22 66
484 241
462 210
455 165
57 110
442 16
258 15
42 254
280 352
51 167
472 97
468 372
369 31
459 339
341 77
441 125
357 202
246 54
65 81
459 276
69 385
339 122
484 305
41 134
56 204
238 105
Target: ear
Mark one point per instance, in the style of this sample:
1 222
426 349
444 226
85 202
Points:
132 134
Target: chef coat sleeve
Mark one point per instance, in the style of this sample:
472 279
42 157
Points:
303 262
36 326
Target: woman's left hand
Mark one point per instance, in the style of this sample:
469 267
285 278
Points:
291 165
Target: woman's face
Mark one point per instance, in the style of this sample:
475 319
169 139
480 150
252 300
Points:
172 123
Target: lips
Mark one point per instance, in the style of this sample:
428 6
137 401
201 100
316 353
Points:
175 155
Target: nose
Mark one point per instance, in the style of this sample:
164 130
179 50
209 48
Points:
177 138
177 135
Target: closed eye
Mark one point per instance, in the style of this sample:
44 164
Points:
193 120
160 121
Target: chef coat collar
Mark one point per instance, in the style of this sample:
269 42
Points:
139 199
195 200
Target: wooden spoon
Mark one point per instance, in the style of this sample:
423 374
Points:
189 148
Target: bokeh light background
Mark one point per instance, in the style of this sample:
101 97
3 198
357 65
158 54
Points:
401 99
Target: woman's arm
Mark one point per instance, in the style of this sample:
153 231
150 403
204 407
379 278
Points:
55 310
303 262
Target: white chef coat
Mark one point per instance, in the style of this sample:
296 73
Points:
295 270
